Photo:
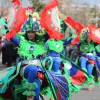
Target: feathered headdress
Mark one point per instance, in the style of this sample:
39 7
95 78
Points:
94 33
31 24
16 18
50 20
84 34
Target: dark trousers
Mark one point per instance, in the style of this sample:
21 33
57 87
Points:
3 56
10 60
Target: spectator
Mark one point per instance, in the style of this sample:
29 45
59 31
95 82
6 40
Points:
10 53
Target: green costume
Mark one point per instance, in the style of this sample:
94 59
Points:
25 46
55 45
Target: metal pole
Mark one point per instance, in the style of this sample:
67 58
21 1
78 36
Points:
96 17
77 9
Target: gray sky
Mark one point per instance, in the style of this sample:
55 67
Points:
25 3
90 2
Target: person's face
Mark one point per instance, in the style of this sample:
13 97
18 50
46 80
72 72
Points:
31 35
88 40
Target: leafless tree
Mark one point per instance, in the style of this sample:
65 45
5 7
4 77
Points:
79 12
4 7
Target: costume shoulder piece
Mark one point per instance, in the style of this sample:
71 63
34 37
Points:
86 48
29 50
55 45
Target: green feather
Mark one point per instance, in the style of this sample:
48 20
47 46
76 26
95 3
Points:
24 48
55 45
3 22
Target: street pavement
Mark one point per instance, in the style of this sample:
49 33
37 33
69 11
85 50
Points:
83 94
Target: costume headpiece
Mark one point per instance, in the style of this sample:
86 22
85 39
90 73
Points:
76 26
84 34
69 21
94 33
17 16
29 10
18 19
50 20
31 24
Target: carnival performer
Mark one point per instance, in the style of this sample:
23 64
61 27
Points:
30 48
87 58
55 44
31 65
55 48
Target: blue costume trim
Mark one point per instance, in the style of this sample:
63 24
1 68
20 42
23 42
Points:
88 56
67 41
85 64
60 84
15 40
53 54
